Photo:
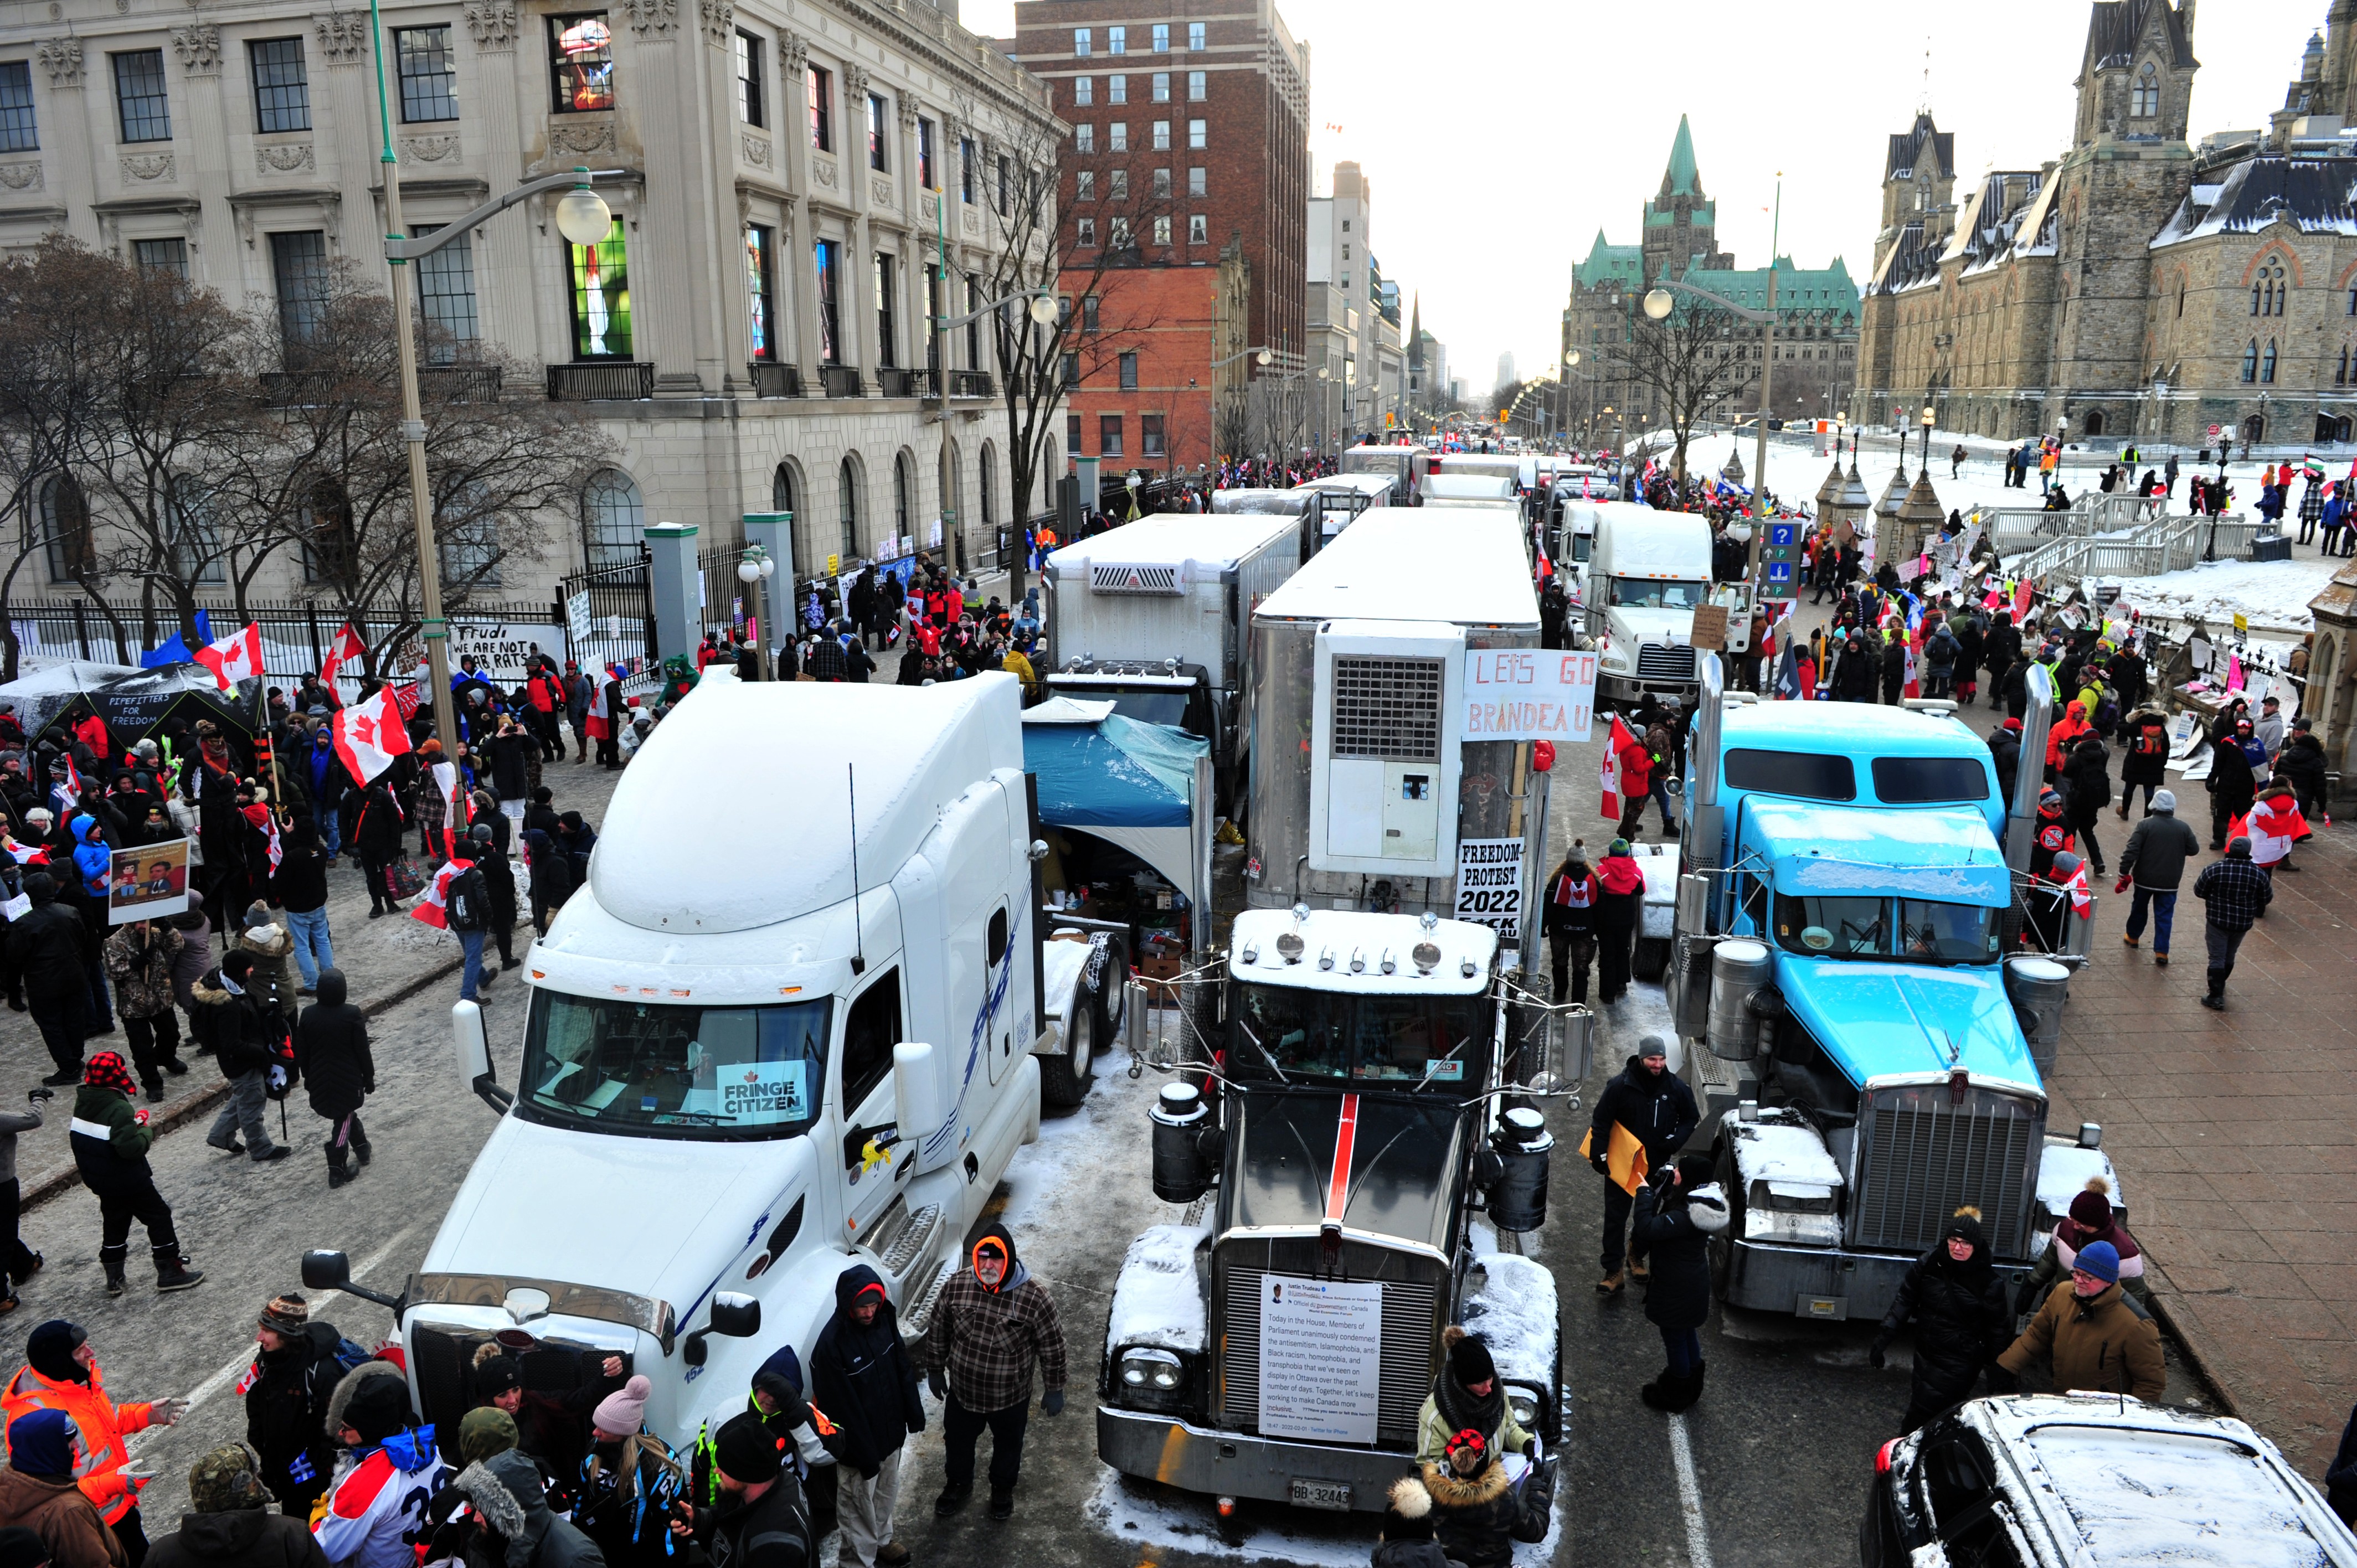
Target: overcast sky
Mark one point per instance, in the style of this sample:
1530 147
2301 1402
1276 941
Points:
1500 135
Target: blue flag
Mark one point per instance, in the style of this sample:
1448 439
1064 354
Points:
171 650
1788 672
204 627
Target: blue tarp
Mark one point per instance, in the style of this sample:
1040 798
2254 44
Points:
1117 773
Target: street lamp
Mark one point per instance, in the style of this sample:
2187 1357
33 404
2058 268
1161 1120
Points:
1930 418
755 572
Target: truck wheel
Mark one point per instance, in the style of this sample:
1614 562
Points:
1105 1007
1652 960
1722 1246
1064 1080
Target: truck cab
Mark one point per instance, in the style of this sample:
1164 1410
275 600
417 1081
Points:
1841 933
1646 573
1348 1174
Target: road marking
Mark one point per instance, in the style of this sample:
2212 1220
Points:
1689 1496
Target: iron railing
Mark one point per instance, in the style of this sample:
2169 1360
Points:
775 381
972 383
891 381
843 380
295 634
601 381
609 622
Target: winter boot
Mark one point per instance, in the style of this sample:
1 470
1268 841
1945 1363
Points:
111 1259
1658 1393
953 1498
364 1149
1002 1505
172 1271
1637 1270
1611 1283
1688 1389
338 1173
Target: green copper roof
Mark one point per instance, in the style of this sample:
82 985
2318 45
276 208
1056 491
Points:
1798 289
1683 179
1606 261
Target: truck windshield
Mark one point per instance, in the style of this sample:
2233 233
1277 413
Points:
672 1070
1657 593
1324 1037
1917 930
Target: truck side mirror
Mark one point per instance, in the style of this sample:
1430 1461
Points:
324 1268
916 1090
735 1315
471 1051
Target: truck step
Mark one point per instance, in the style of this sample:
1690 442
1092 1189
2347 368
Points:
909 1241
917 1304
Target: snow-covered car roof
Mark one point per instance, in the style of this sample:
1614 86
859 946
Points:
1344 935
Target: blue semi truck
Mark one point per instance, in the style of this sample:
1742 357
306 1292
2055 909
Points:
1848 930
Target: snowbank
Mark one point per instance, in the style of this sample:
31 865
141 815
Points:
1158 1301
2272 596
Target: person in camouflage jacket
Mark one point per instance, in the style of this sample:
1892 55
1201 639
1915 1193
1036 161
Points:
139 959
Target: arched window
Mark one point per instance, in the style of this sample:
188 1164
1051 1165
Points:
613 520
2268 365
2340 376
2145 102
848 482
65 529
902 484
990 492
2095 422
2251 362
785 496
2254 429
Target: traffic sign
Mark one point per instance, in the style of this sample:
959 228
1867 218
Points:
2213 430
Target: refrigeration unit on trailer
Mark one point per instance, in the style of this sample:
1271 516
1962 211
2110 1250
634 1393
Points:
1368 791
753 1053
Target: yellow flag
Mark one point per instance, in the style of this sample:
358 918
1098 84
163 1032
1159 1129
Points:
1626 1157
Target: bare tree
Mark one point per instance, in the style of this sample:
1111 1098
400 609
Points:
1688 367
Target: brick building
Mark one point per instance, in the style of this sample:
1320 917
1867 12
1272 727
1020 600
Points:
1188 160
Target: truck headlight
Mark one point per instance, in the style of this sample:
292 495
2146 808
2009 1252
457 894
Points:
1150 1379
1614 658
1525 1406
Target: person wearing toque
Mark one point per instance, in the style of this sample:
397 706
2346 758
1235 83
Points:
287 1389
629 1482
2099 1340
38 1497
229 1523
552 1428
760 1521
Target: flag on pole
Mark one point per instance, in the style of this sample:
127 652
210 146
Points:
1620 737
233 658
456 815
599 725
369 734
410 698
345 650
434 906
266 821
2082 899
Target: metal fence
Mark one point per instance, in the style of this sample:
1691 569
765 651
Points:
295 635
2170 544
608 619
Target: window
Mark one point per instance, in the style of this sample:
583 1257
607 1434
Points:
162 256
1109 435
965 169
1802 775
326 523
1116 90
989 486
1072 429
2268 365
1196 89
933 314
902 488
581 63
870 1030
1088 313
1118 233
1162 230
1162 183
470 546
1197 182
750 106
818 92
925 155
876 124
141 108
1119 185
782 493
1162 87
1080 42
828 257
429 77
299 265
613 520
1085 231
1085 185
1150 435
446 295
1116 40
1068 372
282 92
2340 376
2251 362
1084 140
711 1074
18 133
886 352
1199 230
1194 34
1005 184
974 327
1162 135
1929 780
2144 100
1129 371
195 540
65 529
760 290
1162 37
1117 136
601 299
1084 91
847 484
1199 133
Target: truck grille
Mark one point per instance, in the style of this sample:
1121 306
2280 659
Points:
1388 708
442 1359
1924 1157
1411 1331
1659 661
1114 579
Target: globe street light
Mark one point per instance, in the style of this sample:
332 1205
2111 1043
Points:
755 571
1659 304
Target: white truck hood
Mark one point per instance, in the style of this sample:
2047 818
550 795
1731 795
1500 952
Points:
1637 627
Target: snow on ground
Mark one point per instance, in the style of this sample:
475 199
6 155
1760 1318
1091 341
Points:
2272 594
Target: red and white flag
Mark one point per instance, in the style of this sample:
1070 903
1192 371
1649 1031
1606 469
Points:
433 906
369 734
70 791
1914 687
410 699
456 815
2273 826
28 853
1620 737
345 650
266 821
233 658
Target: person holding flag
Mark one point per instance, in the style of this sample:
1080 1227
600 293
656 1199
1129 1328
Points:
2273 824
1642 1120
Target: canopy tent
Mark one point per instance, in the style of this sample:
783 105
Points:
133 702
1143 788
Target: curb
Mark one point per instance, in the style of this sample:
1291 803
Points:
58 1183
2202 1363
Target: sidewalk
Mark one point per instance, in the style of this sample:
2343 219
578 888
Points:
384 959
2235 1133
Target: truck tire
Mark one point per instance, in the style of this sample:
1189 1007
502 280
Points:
1064 1079
1722 1246
1106 998
1652 960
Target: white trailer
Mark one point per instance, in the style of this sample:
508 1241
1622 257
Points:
752 1054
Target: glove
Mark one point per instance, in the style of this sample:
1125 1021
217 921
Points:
137 1473
1052 1402
1603 1165
939 1383
140 1116
168 1412
1874 1352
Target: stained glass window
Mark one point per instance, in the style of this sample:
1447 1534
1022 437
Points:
601 299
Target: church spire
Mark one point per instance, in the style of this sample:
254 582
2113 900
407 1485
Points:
1681 178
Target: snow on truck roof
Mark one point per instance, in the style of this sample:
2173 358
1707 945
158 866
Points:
1253 952
1856 728
666 863
1395 563
1218 540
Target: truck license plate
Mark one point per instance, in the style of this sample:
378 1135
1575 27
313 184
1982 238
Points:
1334 1495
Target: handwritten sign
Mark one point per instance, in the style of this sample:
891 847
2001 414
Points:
1710 625
1321 1345
1490 886
1529 693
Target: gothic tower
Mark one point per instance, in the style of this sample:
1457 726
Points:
1681 222
1919 184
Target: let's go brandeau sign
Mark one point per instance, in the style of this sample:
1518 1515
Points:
1529 693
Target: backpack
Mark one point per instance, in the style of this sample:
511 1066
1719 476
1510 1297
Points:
464 905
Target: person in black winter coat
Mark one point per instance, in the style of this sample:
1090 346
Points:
1658 1108
506 752
1855 671
2086 791
498 883
2301 765
1473 1505
41 962
376 838
1894 668
229 1017
2340 1476
2144 762
1569 912
1408 1527
332 1054
1678 1211
287 1389
2233 784
552 877
2005 752
864 1378
1955 1302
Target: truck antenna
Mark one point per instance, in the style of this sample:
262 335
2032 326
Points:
858 936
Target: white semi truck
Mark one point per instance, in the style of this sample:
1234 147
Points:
1645 574
750 1055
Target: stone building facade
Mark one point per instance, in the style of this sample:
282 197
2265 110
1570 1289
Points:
753 336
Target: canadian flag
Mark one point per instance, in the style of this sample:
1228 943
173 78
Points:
369 734
457 816
1914 687
1620 737
2083 897
2273 826
344 650
69 789
233 658
434 907
26 853
1777 629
